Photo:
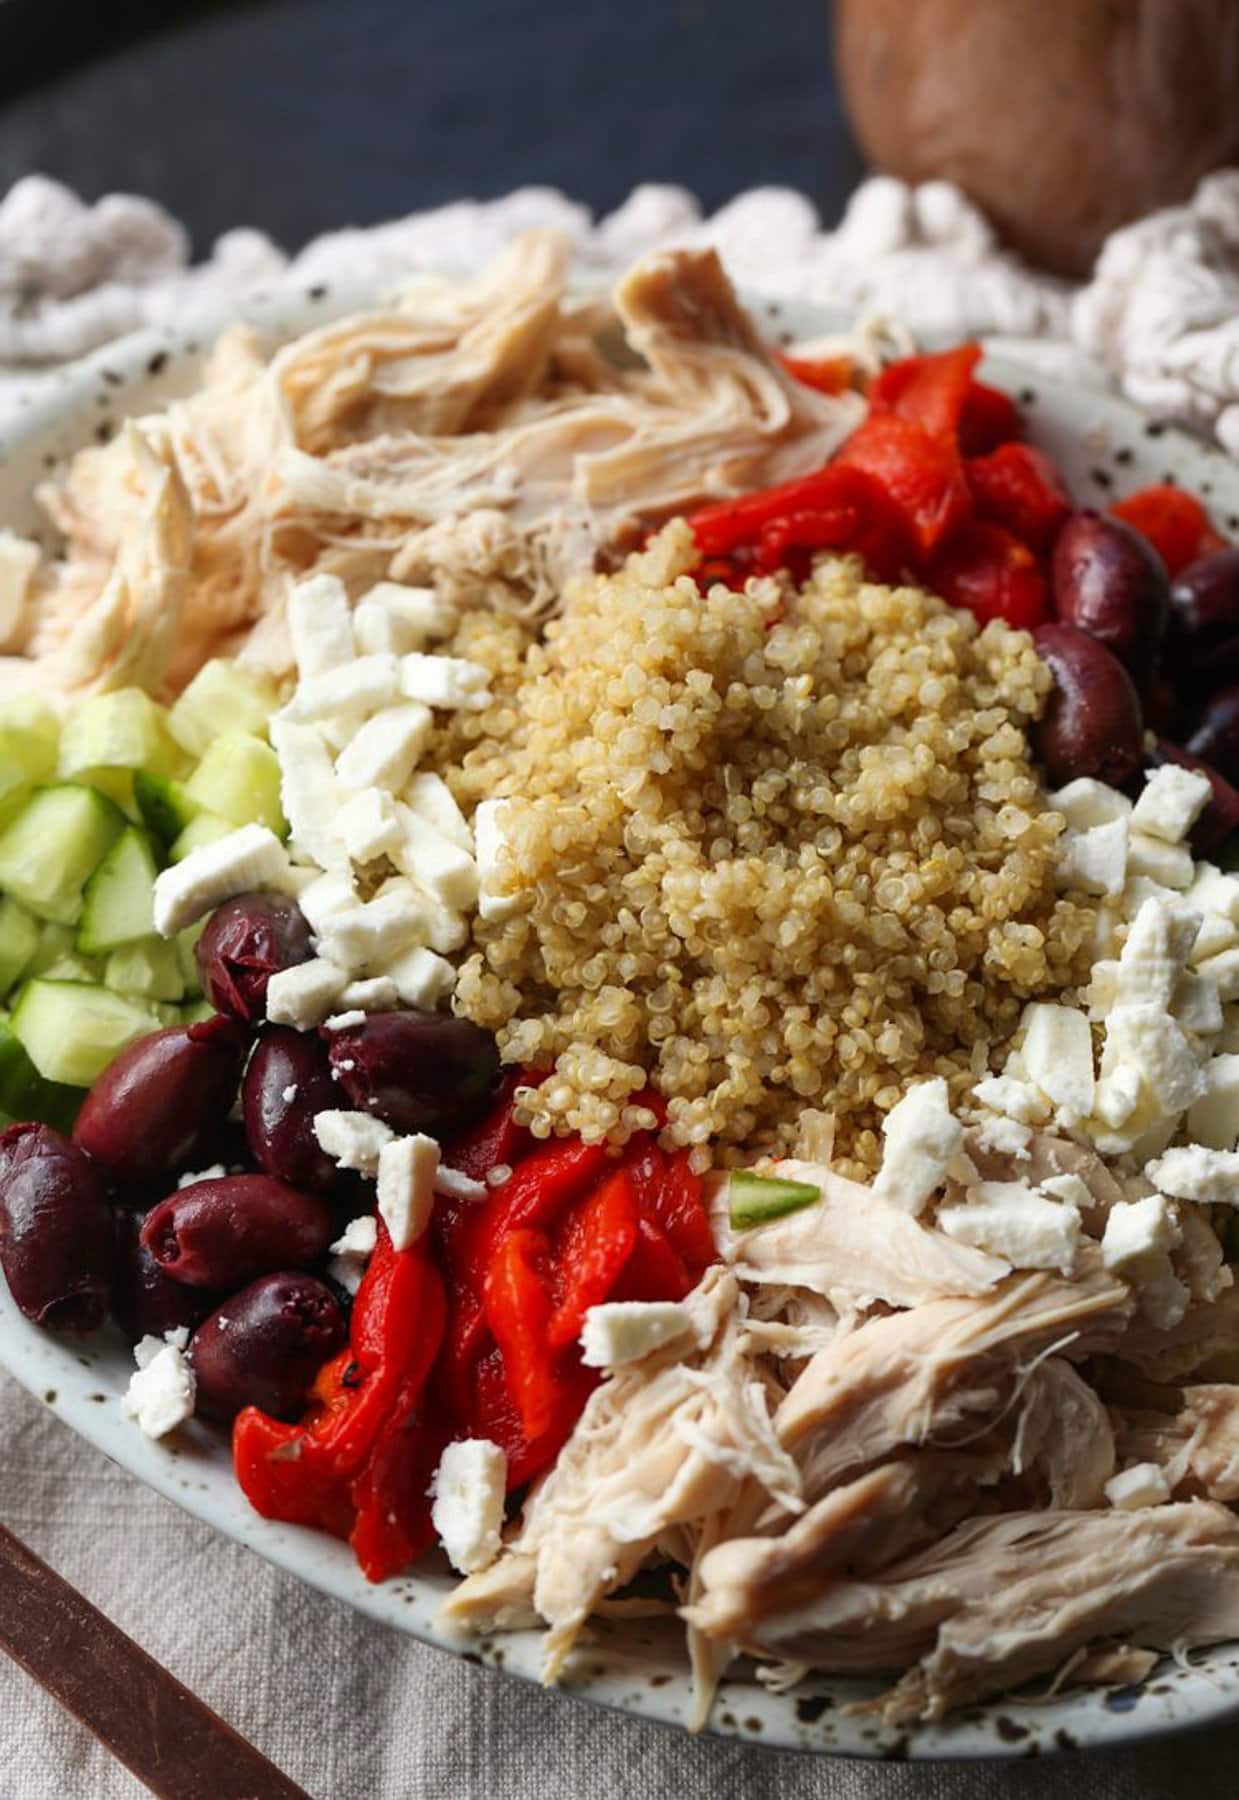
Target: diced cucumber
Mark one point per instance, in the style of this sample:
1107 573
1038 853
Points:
239 778
19 939
186 945
149 969
33 716
117 784
71 967
24 1094
118 901
202 830
221 697
121 730
196 1010
53 845
757 1199
72 1031
167 1012
166 806
26 758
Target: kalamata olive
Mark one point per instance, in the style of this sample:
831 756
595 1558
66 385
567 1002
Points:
246 941
159 1106
1216 737
1111 583
287 1081
1203 640
1220 819
145 1301
223 1232
57 1245
264 1346
1092 721
416 1071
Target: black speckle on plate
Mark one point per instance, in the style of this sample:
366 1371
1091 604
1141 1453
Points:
51 1397
1009 1731
786 337
1101 478
728 1719
1123 456
317 292
1124 1699
1170 478
657 1681
1155 428
810 1707
105 431
897 1751
1064 1740
1027 396
753 1723
158 363
113 377
99 1399
471 1656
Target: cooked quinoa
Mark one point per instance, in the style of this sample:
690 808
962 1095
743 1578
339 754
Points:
775 850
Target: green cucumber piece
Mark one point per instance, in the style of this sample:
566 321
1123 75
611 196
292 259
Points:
19 939
202 830
118 899
72 1030
26 759
186 947
122 730
52 847
194 1011
221 697
239 779
166 806
757 1199
56 958
33 716
24 1094
149 969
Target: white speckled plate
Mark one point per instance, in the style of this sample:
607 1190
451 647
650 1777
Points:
1104 448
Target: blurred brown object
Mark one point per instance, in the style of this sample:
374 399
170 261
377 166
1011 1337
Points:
1061 118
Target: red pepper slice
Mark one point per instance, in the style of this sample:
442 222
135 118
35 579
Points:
1017 486
921 474
729 524
989 418
669 1194
493 1415
991 574
931 391
653 1271
595 1242
827 374
1176 524
518 1311
282 1478
497 1139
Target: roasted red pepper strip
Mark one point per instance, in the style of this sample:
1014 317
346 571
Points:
671 1195
282 1478
1018 487
653 1271
827 374
1176 524
989 418
991 574
931 391
493 1415
921 474
518 1311
595 1242
726 526
497 1139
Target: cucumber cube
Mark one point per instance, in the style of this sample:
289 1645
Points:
221 697
186 946
123 730
24 1094
26 758
118 900
149 970
54 844
195 1011
239 779
19 939
165 806
202 830
72 1031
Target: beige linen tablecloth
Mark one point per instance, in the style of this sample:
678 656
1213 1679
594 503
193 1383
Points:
350 1710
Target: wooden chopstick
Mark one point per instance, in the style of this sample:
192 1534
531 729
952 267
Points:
163 1734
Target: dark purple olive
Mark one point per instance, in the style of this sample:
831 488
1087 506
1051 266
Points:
1203 641
1109 581
159 1107
416 1071
223 1232
1092 722
247 940
264 1346
57 1244
1220 819
287 1082
145 1301
1216 737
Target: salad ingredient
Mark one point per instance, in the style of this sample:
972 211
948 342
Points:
1092 722
415 1071
264 1346
1216 737
287 1083
1203 642
246 941
223 696
1016 485
756 1199
619 1332
468 1490
238 779
1110 583
161 1393
223 1232
53 844
1174 522
118 898
57 1246
353 1139
305 994
989 573
73 1031
920 1140
145 1301
157 1108
250 857
406 1173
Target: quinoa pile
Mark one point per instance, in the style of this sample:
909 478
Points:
775 850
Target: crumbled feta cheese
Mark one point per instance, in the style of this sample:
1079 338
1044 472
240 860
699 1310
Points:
352 1250
445 929
1229 1040
1169 864
1149 1040
430 796
439 866
1194 1172
360 686
1213 1120
1085 803
468 1493
418 611
406 1170
454 1184
249 858
1095 860
1005 1137
1102 991
1172 801
326 900
1215 935
369 825
1197 1006
161 1393
1136 1231
191 1177
1215 892
384 751
303 995
320 624
289 1093
371 931
1141 1484
1118 1095
1223 971
1164 1298
376 993
422 978
444 681
1015 1099
1159 942
921 1137
1058 1054
353 1140
309 793
345 1021
1072 1190
625 1331
1012 1220
489 840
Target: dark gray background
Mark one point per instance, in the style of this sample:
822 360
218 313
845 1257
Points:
300 115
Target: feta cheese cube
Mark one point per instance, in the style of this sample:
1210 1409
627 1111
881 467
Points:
308 792
445 681
454 1184
1223 971
249 858
437 864
1214 892
376 631
1195 1172
1102 991
1172 801
1170 864
1072 1190
1013 1098
1197 1006
327 899
368 825
921 1138
406 1178
1058 1054
1213 1120
1096 859
1011 1220
431 798
468 1492
303 995
1005 1137
376 993
1229 1039
1085 803
1151 1041
1118 1095
162 1391
352 1250
1138 1231
1141 1484
320 624
1159 942
384 751
370 932
416 613
422 978
1215 934
620 1332
494 875
345 1021
360 686
353 1140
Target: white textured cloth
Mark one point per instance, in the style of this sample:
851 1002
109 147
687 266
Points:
352 1711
